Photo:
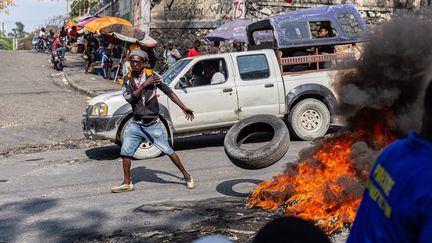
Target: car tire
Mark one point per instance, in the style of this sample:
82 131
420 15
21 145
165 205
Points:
261 157
146 150
309 119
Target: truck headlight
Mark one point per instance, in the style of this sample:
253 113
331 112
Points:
99 109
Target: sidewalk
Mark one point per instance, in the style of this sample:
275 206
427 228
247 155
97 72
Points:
89 84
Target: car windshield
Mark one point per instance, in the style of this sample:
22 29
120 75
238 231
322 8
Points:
173 71
36 38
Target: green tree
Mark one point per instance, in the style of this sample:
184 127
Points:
19 33
5 42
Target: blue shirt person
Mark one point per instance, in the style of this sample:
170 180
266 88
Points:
171 55
397 201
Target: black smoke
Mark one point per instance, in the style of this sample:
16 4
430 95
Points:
391 74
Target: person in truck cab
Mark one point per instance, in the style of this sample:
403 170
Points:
139 89
325 32
212 74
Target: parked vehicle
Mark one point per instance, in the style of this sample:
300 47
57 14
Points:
255 82
35 42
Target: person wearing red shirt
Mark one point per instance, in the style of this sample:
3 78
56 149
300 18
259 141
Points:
73 34
58 46
195 49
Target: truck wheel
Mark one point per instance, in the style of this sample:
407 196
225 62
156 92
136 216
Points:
309 119
146 150
263 156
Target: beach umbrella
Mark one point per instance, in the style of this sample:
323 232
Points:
82 22
97 24
129 34
72 22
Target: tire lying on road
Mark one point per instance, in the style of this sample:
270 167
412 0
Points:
263 156
146 150
309 119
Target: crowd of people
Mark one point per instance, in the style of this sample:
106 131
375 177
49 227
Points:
100 54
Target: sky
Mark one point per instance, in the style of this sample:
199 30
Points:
32 13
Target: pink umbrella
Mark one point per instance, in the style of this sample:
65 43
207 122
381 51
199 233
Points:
86 20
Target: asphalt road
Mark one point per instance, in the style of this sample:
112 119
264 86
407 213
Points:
33 109
61 195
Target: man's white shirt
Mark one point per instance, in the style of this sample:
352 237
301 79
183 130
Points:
217 78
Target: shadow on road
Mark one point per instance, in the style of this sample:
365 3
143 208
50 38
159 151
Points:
143 174
199 141
14 218
195 142
104 153
226 187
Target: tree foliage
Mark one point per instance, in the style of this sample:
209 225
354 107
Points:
5 42
4 5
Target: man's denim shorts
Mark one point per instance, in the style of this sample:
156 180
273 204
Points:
136 133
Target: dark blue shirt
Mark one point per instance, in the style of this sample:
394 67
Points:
397 202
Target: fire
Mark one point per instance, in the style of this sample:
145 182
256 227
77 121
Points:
325 186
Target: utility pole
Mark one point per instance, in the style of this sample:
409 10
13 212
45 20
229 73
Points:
67 9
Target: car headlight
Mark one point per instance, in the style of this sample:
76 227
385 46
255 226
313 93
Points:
99 109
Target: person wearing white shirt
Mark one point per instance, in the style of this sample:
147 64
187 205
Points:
211 71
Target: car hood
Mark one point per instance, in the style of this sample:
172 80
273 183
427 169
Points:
115 96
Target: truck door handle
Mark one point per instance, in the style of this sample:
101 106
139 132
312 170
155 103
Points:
227 90
268 85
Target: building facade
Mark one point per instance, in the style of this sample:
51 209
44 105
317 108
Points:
183 21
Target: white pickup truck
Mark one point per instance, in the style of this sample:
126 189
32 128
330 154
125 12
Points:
222 89
253 85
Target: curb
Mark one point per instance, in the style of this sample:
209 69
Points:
78 88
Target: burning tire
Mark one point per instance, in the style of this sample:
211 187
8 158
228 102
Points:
254 127
309 119
146 150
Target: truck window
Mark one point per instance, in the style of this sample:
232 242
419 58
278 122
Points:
253 67
207 72
350 25
293 31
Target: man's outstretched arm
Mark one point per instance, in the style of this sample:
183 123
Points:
188 112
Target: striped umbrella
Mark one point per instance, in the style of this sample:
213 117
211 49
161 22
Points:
84 21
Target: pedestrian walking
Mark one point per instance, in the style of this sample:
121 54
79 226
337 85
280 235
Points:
396 204
139 89
195 50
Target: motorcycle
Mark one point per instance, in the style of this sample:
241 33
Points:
40 46
49 45
57 61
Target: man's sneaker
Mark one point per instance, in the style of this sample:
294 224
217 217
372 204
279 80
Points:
190 183
123 188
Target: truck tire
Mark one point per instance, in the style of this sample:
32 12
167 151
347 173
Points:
146 150
309 119
264 156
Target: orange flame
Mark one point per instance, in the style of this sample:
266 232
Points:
320 187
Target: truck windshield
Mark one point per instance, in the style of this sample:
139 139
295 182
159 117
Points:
173 71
